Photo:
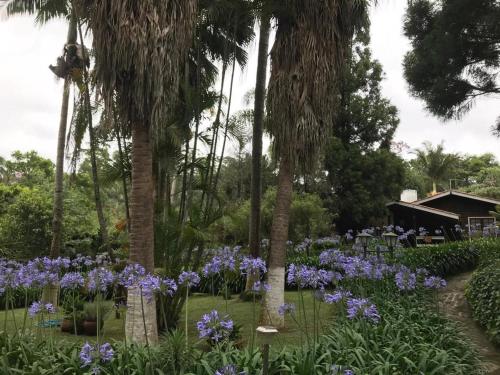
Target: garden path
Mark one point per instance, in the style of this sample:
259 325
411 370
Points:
453 303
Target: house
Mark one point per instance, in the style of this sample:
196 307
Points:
442 212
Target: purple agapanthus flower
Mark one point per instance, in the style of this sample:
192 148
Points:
338 370
168 287
286 308
86 354
362 308
253 266
149 285
308 277
406 280
213 327
261 287
434 282
229 370
189 279
337 296
90 354
100 279
106 352
40 308
131 275
72 280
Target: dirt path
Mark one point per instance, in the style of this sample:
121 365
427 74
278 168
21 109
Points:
453 303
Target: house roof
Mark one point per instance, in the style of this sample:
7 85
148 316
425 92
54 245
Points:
458 194
430 210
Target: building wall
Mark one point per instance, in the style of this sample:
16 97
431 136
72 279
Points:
465 207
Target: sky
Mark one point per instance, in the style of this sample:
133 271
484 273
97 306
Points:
30 95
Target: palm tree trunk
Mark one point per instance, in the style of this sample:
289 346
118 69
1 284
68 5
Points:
219 167
279 235
123 175
50 293
141 235
259 106
260 96
103 230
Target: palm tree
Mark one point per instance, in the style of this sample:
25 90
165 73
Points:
139 48
434 164
306 60
67 67
259 107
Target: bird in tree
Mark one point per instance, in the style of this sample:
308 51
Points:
434 164
139 47
455 55
306 61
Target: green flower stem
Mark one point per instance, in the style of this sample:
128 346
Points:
186 317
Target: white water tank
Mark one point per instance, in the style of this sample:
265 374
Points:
409 195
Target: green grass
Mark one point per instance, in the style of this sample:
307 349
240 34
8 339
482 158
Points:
241 312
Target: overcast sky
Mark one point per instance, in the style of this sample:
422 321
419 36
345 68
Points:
30 95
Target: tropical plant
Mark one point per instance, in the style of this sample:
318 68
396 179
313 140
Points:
144 80
306 62
434 164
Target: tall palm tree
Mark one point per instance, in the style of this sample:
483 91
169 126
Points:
258 124
311 42
67 67
139 48
433 163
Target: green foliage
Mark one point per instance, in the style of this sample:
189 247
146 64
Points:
452 258
308 218
410 339
362 183
455 55
28 169
25 228
483 294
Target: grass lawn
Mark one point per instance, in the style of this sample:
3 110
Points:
241 312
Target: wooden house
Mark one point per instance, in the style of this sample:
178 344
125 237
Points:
444 212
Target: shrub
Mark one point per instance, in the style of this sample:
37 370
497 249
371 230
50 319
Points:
453 257
483 294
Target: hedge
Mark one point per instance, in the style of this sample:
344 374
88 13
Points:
483 294
452 258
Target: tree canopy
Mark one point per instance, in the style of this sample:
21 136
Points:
455 55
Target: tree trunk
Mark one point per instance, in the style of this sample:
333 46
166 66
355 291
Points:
123 176
103 230
141 236
228 114
277 254
50 293
259 104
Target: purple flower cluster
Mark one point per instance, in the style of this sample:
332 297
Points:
131 275
362 308
338 370
189 279
213 327
434 282
337 296
223 260
40 308
100 279
309 277
90 354
229 370
253 266
406 280
261 287
72 280
286 308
